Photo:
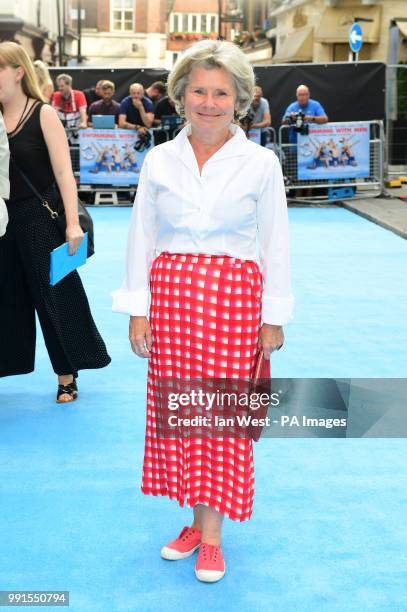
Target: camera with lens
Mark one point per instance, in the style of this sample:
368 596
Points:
299 123
143 142
70 128
247 120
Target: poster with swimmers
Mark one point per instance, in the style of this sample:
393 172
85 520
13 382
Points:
111 157
334 151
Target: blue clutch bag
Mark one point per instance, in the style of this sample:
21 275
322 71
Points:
62 263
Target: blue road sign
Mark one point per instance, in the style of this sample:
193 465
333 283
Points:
355 38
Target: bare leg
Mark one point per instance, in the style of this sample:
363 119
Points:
212 526
65 379
198 517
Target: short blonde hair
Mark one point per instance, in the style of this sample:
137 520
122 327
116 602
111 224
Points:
211 54
15 56
138 85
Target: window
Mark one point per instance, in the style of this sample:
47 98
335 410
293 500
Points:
209 23
122 15
193 22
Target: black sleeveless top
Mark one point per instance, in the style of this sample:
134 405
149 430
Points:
30 153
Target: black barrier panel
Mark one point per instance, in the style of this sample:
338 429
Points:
84 78
347 91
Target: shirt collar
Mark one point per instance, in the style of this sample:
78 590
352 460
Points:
235 146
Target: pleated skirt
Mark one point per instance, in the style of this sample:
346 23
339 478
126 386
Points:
205 316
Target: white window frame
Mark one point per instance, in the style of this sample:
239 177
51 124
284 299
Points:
112 20
198 16
172 22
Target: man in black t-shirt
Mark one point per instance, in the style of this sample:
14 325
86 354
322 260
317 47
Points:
156 91
93 94
164 107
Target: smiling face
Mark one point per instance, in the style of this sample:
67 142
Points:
210 98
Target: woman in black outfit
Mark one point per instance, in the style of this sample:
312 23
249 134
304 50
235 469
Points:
39 147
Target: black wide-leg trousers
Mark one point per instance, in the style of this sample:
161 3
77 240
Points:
70 334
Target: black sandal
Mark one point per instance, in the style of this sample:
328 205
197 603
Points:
69 389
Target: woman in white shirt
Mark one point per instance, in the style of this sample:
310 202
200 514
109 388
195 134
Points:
208 247
4 178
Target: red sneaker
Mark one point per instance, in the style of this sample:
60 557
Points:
183 546
210 564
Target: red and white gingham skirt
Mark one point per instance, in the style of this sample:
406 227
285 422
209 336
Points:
205 317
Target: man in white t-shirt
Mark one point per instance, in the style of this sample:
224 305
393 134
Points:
260 110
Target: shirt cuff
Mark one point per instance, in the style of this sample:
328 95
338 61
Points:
3 217
134 303
277 310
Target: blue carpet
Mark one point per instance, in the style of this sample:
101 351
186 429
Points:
328 529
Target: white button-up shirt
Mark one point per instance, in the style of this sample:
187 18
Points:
236 207
4 179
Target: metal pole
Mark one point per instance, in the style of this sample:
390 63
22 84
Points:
79 33
64 29
219 19
59 33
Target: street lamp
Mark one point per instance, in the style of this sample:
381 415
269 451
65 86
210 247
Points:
79 20
60 37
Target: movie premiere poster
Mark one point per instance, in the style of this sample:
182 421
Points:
254 135
333 151
110 157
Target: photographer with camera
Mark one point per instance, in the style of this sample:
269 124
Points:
70 105
298 115
303 111
258 115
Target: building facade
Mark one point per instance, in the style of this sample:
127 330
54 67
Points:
318 30
124 33
34 24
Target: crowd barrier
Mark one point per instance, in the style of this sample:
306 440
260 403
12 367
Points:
396 122
109 194
370 185
330 189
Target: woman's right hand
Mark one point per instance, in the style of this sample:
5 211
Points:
74 235
140 336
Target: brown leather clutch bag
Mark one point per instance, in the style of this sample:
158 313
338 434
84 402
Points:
260 385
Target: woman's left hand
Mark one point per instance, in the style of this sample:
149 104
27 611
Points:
271 338
74 235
